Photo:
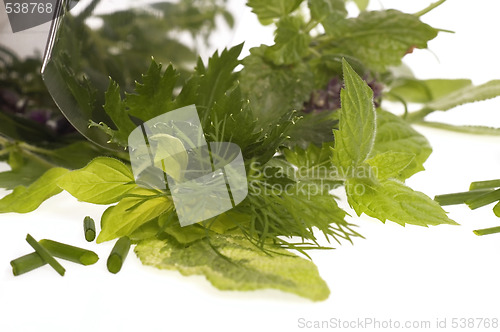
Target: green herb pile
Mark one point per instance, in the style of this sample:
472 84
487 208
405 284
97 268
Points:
306 113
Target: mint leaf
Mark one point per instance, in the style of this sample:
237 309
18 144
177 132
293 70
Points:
390 164
392 200
103 181
378 38
395 135
355 138
291 42
268 10
27 199
238 265
132 212
466 95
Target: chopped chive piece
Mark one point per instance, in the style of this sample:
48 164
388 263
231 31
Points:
118 255
487 231
26 263
496 209
460 198
70 253
485 184
45 255
484 199
89 228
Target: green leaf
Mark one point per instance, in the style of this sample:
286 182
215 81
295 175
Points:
268 10
153 97
355 138
274 90
321 9
132 212
392 200
390 164
466 95
103 181
291 42
171 155
378 38
115 108
27 199
23 176
475 130
237 265
424 91
395 135
362 4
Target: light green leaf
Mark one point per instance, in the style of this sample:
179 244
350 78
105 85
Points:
103 181
27 199
392 200
390 164
291 42
241 267
362 4
320 9
378 38
268 10
466 95
131 213
475 130
355 137
396 135
171 155
424 91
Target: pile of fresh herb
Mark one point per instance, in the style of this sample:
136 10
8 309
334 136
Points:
306 113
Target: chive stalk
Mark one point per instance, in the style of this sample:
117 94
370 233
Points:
26 263
485 184
484 199
89 229
118 255
487 231
460 198
70 253
496 209
45 255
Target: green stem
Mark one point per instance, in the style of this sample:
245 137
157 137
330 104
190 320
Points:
487 231
29 147
429 8
460 198
484 199
89 229
45 255
118 255
491 184
26 263
418 115
70 253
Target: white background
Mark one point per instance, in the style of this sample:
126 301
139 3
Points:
399 273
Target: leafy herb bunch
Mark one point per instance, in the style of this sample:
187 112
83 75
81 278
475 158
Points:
305 120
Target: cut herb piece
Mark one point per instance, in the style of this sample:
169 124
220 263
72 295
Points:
118 255
26 263
484 184
484 199
460 198
89 229
70 253
487 231
45 255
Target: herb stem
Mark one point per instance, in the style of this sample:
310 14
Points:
460 198
487 231
429 8
26 263
45 255
485 184
118 255
70 253
89 229
484 199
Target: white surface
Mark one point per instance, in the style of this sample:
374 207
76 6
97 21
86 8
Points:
397 273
